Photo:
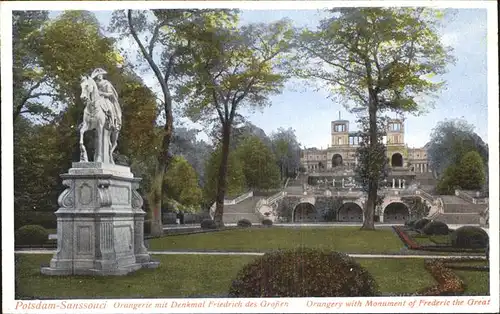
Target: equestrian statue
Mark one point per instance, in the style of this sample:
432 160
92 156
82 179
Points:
102 113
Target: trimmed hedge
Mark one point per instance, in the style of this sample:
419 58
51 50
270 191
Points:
31 235
421 223
303 272
46 219
208 224
436 227
469 237
267 222
410 223
244 223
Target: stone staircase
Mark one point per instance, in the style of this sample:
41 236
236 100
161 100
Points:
426 179
242 210
458 211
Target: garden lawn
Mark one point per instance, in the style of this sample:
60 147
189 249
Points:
476 282
190 276
342 239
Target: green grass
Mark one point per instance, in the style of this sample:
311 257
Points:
191 275
343 239
476 282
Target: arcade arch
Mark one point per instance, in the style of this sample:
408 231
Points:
396 212
304 212
350 212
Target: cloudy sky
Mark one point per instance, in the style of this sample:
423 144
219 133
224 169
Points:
310 112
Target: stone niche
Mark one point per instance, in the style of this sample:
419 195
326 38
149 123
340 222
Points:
100 223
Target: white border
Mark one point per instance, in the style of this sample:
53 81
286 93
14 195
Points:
294 305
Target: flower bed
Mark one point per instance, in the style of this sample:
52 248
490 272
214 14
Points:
448 282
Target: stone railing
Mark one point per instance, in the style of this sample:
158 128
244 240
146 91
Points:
286 183
437 208
425 195
484 219
239 199
471 199
268 202
276 197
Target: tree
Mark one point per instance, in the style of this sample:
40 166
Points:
28 77
376 59
230 68
169 30
235 176
181 183
472 171
372 165
450 141
287 151
259 165
449 181
36 152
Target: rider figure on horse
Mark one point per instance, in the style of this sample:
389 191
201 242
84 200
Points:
112 106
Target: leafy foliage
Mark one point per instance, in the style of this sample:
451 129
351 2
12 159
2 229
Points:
450 141
468 174
472 171
287 151
421 223
235 176
469 237
435 228
181 183
31 235
258 163
244 223
303 273
29 80
267 222
372 159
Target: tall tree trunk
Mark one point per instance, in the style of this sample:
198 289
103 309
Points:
369 212
221 181
163 159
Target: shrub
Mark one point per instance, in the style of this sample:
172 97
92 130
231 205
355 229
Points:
245 223
303 272
267 222
208 224
436 228
420 224
31 235
469 237
410 223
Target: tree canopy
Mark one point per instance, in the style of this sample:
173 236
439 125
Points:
229 68
259 164
450 141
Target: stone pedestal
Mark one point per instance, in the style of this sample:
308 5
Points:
100 223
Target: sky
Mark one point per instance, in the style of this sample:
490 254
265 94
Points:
310 112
